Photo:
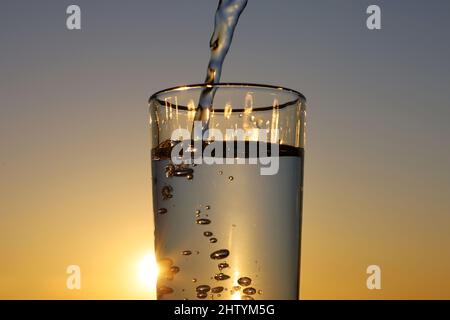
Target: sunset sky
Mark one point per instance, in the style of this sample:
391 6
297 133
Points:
75 149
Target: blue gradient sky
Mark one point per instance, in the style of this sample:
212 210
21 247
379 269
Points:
74 160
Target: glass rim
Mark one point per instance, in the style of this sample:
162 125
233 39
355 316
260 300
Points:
299 95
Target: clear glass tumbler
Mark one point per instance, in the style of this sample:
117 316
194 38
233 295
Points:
228 200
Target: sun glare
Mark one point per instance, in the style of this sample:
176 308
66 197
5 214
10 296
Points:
148 271
236 296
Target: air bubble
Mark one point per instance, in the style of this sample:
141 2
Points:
207 207
197 211
194 280
260 123
249 291
174 269
260 292
231 178
223 265
220 172
183 172
207 233
170 169
167 192
244 281
203 221
162 211
186 252
213 240
220 254
236 288
217 289
221 276
203 288
164 290
202 295
247 298
189 176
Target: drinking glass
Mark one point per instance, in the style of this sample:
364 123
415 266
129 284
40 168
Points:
227 192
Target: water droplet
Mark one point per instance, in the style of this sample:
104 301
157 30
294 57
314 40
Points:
240 115
203 288
194 280
162 211
249 291
189 176
247 298
220 172
197 211
244 281
220 254
221 276
213 240
207 207
223 265
174 269
217 290
203 221
236 288
202 295
186 252
197 252
219 295
260 292
207 233
231 178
